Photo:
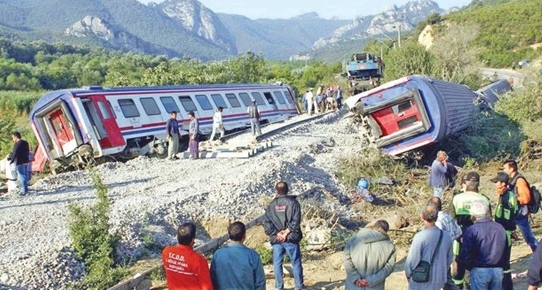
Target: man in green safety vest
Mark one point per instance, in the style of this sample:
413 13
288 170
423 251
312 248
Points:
460 210
505 213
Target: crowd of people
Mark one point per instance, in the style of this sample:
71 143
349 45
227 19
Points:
323 100
470 236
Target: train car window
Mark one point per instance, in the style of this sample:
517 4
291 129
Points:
402 107
258 97
204 102
269 98
245 98
128 107
112 110
288 98
187 103
279 97
103 110
150 106
169 104
234 102
219 101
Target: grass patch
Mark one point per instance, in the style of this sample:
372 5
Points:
93 242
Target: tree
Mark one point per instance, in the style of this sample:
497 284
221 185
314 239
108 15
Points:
410 58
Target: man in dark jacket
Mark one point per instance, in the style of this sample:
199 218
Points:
283 226
19 157
534 274
172 135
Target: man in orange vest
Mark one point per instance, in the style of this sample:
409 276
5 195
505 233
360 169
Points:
186 269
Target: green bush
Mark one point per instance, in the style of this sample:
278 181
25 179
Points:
93 242
266 254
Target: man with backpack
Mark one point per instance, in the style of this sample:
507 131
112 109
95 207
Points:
521 187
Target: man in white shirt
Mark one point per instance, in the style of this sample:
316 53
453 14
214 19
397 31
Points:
217 124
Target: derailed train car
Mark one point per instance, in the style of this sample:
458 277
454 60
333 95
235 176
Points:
415 111
83 125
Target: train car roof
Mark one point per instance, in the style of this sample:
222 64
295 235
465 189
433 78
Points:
67 93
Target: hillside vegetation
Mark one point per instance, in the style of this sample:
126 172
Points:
507 31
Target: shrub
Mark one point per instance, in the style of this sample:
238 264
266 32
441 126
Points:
266 254
92 241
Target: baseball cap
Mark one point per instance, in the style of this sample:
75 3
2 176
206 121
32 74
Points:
472 176
501 176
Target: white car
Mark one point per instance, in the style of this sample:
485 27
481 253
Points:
524 62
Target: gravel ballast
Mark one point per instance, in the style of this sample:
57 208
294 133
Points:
151 196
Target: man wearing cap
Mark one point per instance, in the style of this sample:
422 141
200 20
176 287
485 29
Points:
254 115
369 257
521 187
172 135
460 210
505 213
482 249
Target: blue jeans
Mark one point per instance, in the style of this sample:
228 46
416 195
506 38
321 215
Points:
437 191
294 252
22 175
522 221
486 279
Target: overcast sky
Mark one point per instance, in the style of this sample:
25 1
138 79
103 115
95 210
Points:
344 9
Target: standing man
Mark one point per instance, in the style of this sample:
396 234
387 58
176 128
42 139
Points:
172 135
235 266
482 250
339 98
184 268
521 187
437 177
534 274
19 157
217 124
369 257
254 115
447 224
283 226
193 133
505 213
310 101
425 247
460 210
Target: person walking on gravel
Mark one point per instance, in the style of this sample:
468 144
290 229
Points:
184 267
235 266
254 115
20 157
218 124
172 135
369 257
193 133
282 224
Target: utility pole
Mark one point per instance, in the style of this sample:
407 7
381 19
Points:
399 35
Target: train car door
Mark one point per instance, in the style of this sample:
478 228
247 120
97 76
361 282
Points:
103 122
270 100
63 131
397 117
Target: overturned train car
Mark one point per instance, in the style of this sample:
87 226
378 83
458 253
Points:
79 126
417 110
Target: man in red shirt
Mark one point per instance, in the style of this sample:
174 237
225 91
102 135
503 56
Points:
185 269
